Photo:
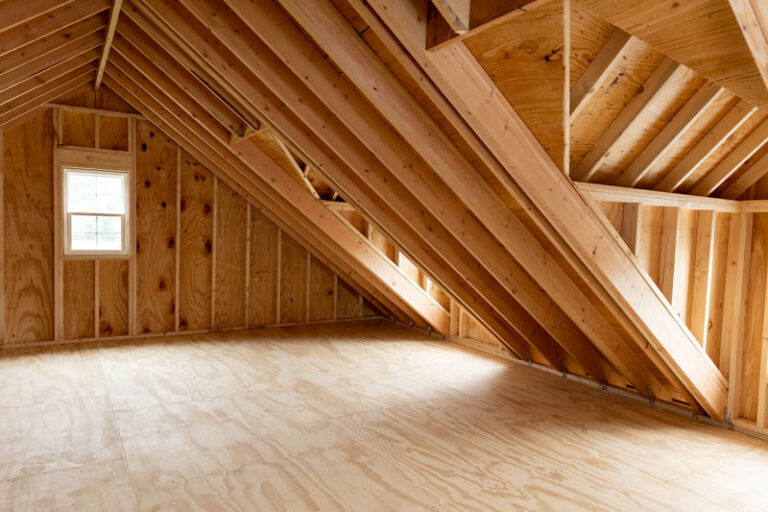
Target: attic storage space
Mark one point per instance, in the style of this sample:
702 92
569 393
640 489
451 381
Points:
383 255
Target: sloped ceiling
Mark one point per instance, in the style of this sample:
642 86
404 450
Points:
423 144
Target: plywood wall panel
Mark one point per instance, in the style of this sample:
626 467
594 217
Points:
155 229
263 271
293 281
113 133
751 341
79 300
196 245
28 230
231 232
321 295
77 129
348 302
113 297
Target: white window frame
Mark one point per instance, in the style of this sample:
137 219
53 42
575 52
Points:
67 239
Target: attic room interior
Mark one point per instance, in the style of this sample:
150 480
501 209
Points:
463 255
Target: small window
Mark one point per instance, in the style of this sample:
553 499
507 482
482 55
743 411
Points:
95 207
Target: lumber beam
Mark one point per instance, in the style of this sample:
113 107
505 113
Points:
483 15
401 200
752 175
475 96
38 64
16 12
752 16
668 71
672 131
599 70
295 215
614 194
704 246
349 107
49 23
114 15
48 44
39 96
732 162
228 108
712 140
455 13
23 87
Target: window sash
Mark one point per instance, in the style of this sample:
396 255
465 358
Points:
124 225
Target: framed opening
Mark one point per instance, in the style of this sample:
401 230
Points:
95 212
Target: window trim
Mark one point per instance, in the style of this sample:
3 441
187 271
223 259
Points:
66 227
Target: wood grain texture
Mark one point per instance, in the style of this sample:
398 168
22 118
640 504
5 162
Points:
230 258
196 245
79 301
113 133
28 218
345 417
526 58
263 271
293 281
156 229
113 298
78 129
347 305
321 294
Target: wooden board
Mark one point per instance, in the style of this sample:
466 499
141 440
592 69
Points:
263 271
113 133
28 218
113 297
79 299
293 281
196 245
321 294
156 229
348 304
231 230
717 291
77 129
526 57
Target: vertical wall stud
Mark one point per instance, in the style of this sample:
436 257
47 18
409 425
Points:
96 298
177 244
335 296
733 325
213 251
132 261
58 219
2 240
247 265
306 292
278 276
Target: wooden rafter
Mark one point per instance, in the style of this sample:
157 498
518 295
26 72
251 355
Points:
732 162
599 70
668 71
455 13
507 307
672 131
16 12
114 15
751 176
752 16
712 140
475 96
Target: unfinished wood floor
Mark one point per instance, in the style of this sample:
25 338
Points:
359 417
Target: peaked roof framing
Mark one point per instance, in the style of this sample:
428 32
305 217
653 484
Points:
426 147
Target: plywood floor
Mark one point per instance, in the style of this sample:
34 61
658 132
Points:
358 417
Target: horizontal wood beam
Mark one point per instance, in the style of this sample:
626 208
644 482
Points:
707 145
614 194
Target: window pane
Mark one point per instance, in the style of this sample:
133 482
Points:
96 233
95 193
